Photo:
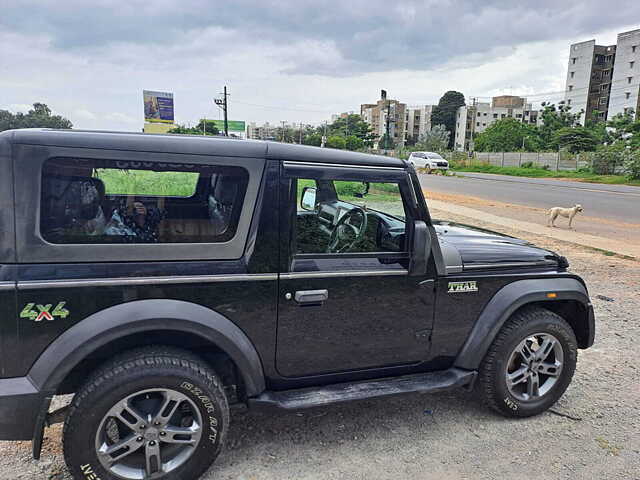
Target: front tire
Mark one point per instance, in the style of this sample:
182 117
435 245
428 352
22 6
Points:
530 363
154 412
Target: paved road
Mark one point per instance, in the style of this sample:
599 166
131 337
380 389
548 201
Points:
612 202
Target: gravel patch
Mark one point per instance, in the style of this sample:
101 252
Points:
591 433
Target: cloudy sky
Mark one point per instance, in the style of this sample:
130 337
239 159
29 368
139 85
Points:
290 60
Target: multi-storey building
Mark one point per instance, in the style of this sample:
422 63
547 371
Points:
625 84
418 120
377 114
604 80
477 117
589 76
266 131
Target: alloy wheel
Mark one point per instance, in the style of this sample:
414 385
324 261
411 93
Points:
534 367
148 434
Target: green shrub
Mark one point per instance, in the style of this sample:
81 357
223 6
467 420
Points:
632 165
527 165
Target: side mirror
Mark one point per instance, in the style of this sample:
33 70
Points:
308 199
421 250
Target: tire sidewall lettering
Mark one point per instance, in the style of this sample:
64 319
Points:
206 402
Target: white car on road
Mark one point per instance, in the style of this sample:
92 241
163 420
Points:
429 161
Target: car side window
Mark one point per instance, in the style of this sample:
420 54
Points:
345 217
105 202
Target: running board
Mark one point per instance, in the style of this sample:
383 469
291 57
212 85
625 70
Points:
346 392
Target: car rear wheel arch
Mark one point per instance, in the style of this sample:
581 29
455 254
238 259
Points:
150 322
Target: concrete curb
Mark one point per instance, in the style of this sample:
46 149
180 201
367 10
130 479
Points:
571 236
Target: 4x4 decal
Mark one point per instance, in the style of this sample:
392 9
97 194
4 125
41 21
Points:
43 312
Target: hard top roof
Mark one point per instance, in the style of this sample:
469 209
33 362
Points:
193 144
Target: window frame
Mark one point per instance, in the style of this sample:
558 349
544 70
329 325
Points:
33 248
300 170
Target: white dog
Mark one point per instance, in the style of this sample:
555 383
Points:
563 212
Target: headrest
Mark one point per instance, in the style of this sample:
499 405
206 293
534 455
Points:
226 189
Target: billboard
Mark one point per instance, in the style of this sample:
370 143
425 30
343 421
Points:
158 106
234 125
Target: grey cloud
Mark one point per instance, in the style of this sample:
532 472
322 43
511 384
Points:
368 35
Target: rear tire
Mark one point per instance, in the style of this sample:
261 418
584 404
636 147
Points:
530 363
158 412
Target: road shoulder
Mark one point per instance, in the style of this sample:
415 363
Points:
571 236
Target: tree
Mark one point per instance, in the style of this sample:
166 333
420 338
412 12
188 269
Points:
435 140
576 139
354 143
312 138
553 119
336 141
38 117
507 135
445 112
623 125
209 129
352 124
386 142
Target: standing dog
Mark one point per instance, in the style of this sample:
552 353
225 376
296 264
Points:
563 212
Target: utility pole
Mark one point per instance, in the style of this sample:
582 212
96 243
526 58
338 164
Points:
323 141
300 133
222 103
283 122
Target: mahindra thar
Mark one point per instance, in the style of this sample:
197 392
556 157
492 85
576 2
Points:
161 278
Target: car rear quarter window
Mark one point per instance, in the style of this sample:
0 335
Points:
90 201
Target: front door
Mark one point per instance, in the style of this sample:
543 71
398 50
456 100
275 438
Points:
347 301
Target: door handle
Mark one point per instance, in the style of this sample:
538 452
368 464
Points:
311 296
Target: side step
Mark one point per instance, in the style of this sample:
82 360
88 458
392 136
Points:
346 392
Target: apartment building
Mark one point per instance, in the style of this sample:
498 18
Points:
604 80
376 115
625 83
266 131
418 121
477 117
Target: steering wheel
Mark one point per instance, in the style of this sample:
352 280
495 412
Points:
346 233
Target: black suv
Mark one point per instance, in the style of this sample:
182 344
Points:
162 278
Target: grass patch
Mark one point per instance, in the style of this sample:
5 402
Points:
542 173
146 182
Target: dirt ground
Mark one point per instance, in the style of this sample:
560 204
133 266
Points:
592 433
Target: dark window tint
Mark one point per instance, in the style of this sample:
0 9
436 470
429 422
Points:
106 201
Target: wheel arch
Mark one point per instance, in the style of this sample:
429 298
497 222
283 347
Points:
152 318
571 302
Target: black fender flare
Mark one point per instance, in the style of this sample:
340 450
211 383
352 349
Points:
139 316
506 301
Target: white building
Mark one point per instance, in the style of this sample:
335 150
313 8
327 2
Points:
588 82
477 117
266 131
625 84
604 80
418 119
